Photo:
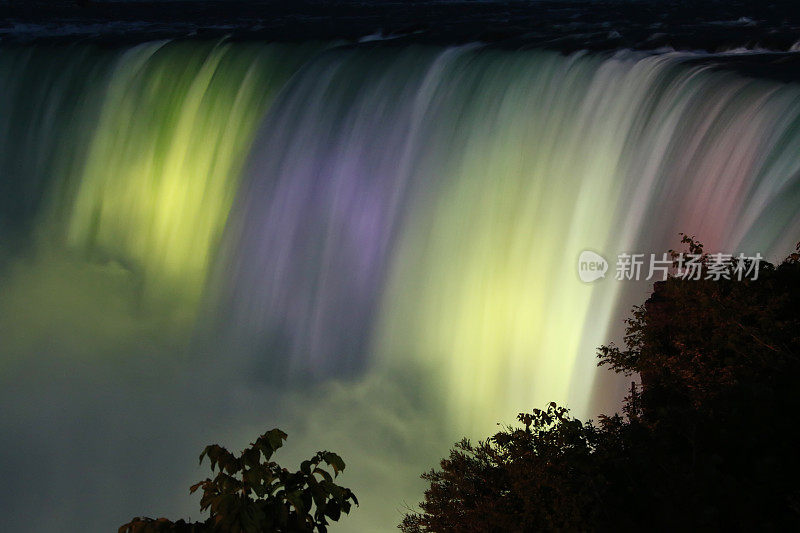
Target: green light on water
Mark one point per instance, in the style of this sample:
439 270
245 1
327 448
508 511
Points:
164 165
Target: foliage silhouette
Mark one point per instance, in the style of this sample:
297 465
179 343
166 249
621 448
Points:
252 494
707 441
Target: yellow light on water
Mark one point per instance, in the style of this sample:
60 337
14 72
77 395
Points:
484 291
164 165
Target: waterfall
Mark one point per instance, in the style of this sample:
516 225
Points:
379 239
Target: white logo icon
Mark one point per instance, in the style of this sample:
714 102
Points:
591 266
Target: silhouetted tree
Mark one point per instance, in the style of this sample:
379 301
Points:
708 440
252 494
545 475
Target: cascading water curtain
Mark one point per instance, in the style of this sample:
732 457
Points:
373 247
431 213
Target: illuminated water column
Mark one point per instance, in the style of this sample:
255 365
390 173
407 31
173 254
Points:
484 291
164 163
317 218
